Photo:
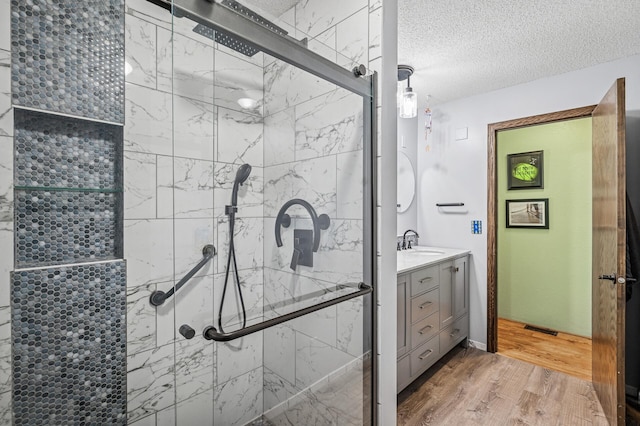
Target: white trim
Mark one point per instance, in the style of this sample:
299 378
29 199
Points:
478 345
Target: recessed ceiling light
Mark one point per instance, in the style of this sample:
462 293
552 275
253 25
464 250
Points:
247 103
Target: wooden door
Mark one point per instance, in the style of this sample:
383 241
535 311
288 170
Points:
609 250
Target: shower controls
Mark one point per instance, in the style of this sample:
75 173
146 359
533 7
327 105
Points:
186 331
304 243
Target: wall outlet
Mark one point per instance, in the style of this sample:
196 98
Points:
476 227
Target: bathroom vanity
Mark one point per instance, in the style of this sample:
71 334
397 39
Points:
433 307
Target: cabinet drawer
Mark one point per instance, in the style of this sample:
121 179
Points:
424 356
454 334
424 305
424 279
404 372
424 330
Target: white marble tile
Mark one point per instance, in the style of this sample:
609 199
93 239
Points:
148 248
329 124
257 59
250 193
145 421
286 86
304 409
352 39
193 128
248 243
239 401
164 188
283 287
194 368
150 382
350 326
374 4
280 353
140 51
197 410
350 185
191 236
375 34
312 180
325 44
5 349
240 138
279 137
5 409
315 360
193 188
148 126
251 283
5 24
315 16
141 320
185 66
238 357
6 217
193 305
139 185
167 417
276 390
236 78
6 113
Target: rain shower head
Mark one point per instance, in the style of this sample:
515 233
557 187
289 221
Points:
232 42
241 176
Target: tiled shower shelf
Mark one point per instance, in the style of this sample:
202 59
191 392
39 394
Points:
61 227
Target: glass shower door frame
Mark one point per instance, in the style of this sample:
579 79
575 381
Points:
294 52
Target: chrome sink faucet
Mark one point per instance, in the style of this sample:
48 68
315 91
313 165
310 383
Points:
404 239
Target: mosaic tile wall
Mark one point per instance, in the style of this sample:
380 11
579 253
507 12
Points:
61 63
66 324
68 345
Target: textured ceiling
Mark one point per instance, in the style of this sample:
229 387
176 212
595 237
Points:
272 7
460 48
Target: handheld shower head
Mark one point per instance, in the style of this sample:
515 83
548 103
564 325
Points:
241 176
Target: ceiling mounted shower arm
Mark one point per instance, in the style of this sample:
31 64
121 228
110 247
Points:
221 18
158 297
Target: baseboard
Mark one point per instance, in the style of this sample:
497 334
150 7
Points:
478 345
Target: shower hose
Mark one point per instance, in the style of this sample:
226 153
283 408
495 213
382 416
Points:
232 255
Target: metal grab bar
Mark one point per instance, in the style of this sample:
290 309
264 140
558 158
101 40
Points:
158 297
211 333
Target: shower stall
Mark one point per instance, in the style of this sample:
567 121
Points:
220 259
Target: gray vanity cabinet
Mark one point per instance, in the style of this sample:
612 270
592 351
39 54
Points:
433 315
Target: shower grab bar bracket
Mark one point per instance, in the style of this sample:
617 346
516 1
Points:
211 333
158 297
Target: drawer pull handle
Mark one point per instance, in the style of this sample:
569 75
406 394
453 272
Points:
456 331
425 355
425 304
423 330
424 280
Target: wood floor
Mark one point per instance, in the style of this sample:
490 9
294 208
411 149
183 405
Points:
565 353
473 387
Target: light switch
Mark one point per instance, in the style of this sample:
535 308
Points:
476 227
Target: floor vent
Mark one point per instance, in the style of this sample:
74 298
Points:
540 330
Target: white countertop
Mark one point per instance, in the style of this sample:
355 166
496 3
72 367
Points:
421 256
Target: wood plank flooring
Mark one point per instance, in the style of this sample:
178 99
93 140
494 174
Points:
565 353
473 387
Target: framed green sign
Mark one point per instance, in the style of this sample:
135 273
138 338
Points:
525 170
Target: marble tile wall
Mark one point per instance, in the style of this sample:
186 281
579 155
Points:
185 137
314 150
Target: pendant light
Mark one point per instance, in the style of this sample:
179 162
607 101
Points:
407 98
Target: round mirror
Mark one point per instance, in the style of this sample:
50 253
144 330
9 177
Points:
406 183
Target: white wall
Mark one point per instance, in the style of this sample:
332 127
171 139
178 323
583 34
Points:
456 171
406 143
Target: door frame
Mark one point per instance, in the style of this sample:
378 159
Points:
492 208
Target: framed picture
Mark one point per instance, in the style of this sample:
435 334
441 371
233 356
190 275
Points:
525 170
532 213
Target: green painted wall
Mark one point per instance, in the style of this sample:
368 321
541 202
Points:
544 275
